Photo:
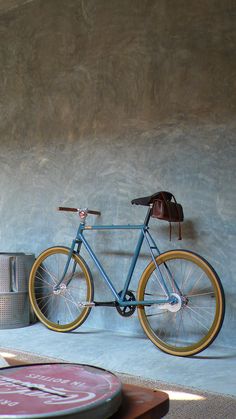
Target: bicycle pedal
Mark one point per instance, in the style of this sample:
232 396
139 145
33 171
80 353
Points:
86 304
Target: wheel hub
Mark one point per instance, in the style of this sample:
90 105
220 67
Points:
175 305
60 290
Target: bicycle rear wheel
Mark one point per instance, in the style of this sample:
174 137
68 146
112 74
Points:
191 325
60 310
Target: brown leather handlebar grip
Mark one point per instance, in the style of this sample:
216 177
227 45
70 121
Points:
94 212
67 209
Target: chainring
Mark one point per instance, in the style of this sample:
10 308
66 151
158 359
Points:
127 311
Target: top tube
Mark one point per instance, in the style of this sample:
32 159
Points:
118 226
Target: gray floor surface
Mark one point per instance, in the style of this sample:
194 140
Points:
212 370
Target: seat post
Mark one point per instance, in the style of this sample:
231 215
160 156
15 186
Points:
148 215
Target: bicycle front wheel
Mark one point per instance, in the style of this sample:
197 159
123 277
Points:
191 324
60 309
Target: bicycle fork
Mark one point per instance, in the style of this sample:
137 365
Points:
58 286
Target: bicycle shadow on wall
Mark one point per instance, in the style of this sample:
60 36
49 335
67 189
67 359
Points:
163 232
189 230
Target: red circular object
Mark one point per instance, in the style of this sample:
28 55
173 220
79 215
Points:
55 390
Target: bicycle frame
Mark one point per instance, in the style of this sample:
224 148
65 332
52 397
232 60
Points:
180 320
144 235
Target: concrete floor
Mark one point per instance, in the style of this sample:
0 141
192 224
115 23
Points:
212 370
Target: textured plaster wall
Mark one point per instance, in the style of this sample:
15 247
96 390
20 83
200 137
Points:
6 5
105 101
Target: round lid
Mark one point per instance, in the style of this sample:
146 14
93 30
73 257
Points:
55 390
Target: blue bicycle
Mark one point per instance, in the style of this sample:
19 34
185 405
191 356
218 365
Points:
180 299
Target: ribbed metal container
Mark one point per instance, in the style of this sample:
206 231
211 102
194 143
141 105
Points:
14 310
14 301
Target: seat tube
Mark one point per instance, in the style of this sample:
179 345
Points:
147 219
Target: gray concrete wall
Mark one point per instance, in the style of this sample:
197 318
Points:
105 101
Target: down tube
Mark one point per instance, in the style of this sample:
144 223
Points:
99 266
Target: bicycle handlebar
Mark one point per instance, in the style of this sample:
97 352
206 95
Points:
94 212
78 210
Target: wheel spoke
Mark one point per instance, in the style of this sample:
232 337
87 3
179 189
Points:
39 278
199 294
197 314
187 278
197 282
159 282
53 277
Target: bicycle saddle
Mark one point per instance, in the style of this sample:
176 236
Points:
148 200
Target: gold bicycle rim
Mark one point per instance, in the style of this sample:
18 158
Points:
214 329
82 317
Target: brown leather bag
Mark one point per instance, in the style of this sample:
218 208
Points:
166 209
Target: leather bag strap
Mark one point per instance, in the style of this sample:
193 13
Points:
168 209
